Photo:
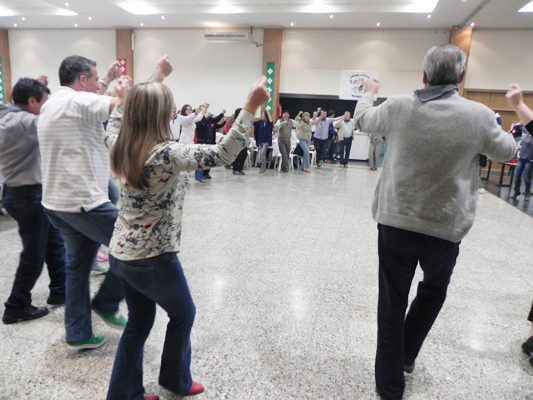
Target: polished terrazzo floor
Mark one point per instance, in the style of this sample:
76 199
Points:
283 270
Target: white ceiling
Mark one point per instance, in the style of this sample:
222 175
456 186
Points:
230 14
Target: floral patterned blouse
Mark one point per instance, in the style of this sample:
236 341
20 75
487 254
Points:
149 221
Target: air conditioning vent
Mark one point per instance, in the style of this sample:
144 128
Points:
226 36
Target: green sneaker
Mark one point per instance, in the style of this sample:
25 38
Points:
116 320
97 268
91 343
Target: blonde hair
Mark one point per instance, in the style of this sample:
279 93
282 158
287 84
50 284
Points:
147 111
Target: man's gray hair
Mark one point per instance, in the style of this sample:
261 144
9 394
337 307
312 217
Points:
444 65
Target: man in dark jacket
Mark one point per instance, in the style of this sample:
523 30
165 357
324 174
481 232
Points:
204 135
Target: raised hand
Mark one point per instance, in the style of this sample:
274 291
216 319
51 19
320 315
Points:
372 85
43 79
257 97
113 72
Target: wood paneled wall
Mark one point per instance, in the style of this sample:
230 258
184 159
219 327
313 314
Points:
462 38
496 101
272 53
125 48
6 64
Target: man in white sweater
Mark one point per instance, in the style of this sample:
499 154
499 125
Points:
425 201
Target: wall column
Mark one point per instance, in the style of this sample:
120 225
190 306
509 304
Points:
5 83
462 38
272 54
124 39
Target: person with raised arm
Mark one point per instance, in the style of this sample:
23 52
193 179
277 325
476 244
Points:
151 169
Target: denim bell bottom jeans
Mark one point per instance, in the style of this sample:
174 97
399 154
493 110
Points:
157 280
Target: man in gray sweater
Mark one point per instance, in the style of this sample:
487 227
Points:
20 164
425 201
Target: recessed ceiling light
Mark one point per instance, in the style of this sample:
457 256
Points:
378 24
472 24
66 4
24 19
76 25
292 23
15 25
331 16
90 18
429 16
162 17
142 24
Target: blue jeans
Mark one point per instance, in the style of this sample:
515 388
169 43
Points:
263 154
304 144
345 148
41 242
112 191
83 233
523 167
400 336
157 280
199 174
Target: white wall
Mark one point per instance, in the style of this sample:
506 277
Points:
311 60
218 73
40 52
221 73
499 58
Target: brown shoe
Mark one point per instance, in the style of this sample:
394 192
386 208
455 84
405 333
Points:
262 170
409 368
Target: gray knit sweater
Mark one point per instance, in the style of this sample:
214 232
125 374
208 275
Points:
429 182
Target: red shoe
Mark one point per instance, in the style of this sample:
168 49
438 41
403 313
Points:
195 389
151 397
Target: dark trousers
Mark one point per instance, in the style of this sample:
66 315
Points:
238 164
400 336
530 316
285 150
41 242
345 148
322 148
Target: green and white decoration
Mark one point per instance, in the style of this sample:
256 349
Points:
270 86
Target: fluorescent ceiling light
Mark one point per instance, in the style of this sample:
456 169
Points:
228 9
318 9
137 7
62 11
527 8
421 6
6 12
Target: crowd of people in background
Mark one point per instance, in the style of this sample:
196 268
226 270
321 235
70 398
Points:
329 137
149 147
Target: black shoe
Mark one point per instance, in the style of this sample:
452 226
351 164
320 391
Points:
56 300
516 194
207 176
29 313
527 346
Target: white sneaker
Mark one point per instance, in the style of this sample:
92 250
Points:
481 190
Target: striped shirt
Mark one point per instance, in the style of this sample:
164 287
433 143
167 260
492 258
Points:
74 158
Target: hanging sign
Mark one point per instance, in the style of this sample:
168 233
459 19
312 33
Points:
270 87
353 83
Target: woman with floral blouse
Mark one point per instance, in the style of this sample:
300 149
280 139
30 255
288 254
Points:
151 169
